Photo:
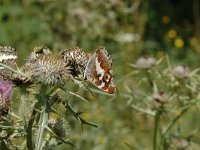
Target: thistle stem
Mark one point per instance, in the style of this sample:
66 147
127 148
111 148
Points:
156 129
184 110
29 128
43 122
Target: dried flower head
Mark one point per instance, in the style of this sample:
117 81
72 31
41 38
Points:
181 72
145 62
48 69
8 56
77 60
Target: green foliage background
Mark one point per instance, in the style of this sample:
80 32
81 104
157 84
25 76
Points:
127 29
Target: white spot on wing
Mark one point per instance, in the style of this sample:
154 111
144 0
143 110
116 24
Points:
102 85
99 69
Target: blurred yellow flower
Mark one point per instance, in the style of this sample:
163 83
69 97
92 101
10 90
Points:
101 139
179 43
165 19
160 54
193 41
58 16
171 33
86 116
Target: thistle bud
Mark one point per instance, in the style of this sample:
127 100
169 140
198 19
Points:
159 98
145 62
59 126
181 72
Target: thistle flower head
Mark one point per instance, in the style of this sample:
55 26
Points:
145 62
159 98
8 56
5 96
77 60
5 91
181 72
48 69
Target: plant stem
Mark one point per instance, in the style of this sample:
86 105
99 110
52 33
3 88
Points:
29 128
184 110
156 129
43 119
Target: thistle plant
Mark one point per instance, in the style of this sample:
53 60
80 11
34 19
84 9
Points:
40 81
166 93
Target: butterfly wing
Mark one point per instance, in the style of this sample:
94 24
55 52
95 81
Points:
98 70
90 70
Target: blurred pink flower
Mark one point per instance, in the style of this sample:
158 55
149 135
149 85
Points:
181 72
145 62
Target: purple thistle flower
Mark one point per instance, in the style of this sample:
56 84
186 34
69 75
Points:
5 96
5 91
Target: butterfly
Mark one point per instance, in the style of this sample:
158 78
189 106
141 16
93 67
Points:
98 71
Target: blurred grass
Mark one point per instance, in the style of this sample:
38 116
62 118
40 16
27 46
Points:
127 29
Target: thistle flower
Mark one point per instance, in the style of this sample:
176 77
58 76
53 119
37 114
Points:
5 90
8 56
179 144
5 96
48 69
145 62
77 60
159 98
181 72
